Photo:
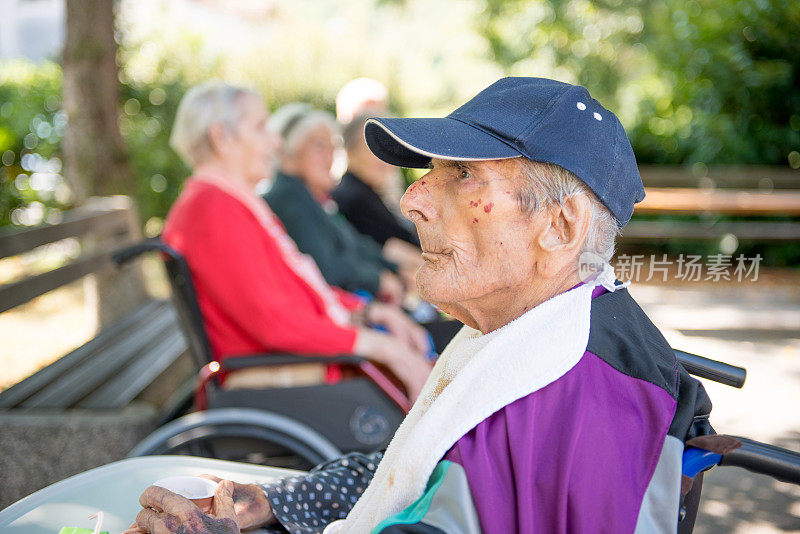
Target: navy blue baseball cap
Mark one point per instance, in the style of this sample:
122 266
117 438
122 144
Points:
540 119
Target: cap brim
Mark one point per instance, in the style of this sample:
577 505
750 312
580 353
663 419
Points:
413 142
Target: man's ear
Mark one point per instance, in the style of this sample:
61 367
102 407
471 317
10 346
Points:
562 234
288 163
218 137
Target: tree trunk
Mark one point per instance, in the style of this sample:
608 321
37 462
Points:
96 162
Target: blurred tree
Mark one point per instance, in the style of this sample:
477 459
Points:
94 152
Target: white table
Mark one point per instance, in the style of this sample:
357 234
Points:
114 489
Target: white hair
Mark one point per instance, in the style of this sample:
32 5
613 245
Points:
293 122
200 108
547 184
355 94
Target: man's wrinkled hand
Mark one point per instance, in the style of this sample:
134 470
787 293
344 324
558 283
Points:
250 504
164 512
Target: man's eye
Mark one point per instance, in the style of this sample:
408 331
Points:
463 173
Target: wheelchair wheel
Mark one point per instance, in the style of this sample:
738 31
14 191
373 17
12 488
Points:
241 435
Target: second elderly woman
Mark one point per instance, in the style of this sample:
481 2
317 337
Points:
300 197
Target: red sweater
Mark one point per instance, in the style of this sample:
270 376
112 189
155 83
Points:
250 298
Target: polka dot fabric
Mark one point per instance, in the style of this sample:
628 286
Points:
306 504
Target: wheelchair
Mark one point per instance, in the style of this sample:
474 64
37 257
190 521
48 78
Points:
290 427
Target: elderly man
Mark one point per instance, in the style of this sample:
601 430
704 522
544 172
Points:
559 407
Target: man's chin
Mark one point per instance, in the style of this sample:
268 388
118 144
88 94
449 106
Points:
430 287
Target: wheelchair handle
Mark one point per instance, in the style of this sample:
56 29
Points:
724 373
777 462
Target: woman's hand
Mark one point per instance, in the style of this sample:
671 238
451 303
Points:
400 325
408 365
390 288
164 512
402 253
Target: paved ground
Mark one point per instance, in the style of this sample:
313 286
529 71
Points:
755 325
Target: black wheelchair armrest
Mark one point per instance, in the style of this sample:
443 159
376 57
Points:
123 256
779 463
376 375
271 360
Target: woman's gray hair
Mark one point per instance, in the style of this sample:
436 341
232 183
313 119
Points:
293 122
546 184
201 107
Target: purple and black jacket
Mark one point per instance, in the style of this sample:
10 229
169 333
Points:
597 450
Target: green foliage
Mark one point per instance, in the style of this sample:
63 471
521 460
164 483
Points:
31 126
148 112
708 81
733 69
32 188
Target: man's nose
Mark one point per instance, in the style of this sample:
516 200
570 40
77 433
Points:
417 202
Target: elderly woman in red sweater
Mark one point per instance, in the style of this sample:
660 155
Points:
256 291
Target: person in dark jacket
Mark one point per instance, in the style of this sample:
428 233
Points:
299 196
358 192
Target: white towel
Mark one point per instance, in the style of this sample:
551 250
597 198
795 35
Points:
475 376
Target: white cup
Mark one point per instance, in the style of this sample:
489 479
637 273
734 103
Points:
198 490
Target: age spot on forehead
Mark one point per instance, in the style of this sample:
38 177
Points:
474 220
488 207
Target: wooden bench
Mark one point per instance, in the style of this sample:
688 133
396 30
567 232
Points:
762 195
137 364
128 354
108 371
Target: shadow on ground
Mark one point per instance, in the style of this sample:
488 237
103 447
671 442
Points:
735 500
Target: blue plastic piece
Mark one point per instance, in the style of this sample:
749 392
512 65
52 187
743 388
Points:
364 294
697 460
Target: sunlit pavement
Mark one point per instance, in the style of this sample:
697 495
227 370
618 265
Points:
756 326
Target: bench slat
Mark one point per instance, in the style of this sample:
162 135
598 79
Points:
74 385
12 295
639 231
124 387
76 223
17 393
743 202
